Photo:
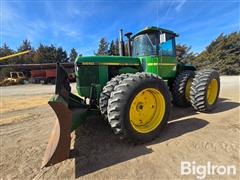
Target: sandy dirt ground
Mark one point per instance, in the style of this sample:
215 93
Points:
26 122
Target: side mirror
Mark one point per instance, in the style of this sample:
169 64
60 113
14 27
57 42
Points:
162 38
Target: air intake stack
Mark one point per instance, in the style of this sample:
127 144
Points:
121 44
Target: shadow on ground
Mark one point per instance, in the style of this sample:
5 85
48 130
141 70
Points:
96 147
224 104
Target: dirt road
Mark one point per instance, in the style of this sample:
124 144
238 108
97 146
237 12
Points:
26 122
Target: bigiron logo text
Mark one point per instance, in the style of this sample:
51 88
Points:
201 171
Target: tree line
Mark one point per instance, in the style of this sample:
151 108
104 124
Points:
53 54
43 54
222 54
106 48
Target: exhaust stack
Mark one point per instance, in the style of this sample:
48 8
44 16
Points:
121 44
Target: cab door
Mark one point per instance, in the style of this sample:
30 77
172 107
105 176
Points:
167 57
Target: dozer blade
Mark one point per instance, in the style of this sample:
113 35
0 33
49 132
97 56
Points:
71 111
59 142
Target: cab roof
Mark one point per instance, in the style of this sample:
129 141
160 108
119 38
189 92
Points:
154 28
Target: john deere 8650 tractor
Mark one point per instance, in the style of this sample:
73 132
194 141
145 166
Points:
133 91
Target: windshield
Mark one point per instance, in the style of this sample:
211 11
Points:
20 74
14 75
144 44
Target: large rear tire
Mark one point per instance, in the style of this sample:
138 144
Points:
181 88
205 90
106 92
139 107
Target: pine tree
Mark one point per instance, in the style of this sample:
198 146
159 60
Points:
40 54
26 45
49 54
73 55
221 54
103 47
112 48
184 53
5 50
61 55
116 47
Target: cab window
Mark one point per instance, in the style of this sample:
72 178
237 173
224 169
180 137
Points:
145 45
167 48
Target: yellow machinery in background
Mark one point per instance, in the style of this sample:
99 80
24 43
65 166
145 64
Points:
14 77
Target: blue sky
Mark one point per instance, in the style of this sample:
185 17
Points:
80 24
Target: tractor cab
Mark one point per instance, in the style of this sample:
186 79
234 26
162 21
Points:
153 41
156 49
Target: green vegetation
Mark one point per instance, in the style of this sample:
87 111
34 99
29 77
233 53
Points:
49 54
43 54
113 48
105 49
222 54
184 54
5 50
102 47
73 55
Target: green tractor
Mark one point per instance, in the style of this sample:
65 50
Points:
133 91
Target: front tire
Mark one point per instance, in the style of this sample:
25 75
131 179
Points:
106 92
205 90
139 107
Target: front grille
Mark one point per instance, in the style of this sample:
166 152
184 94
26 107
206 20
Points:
87 75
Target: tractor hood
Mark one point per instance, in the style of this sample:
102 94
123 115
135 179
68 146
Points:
107 60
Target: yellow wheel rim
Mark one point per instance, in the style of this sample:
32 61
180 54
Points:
147 110
187 89
212 91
